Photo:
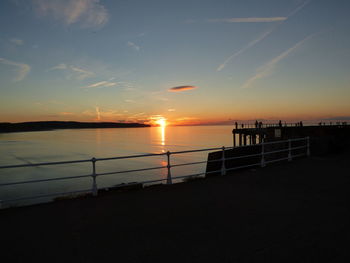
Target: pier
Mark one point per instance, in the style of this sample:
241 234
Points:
259 144
251 134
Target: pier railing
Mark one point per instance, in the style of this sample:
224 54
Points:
238 126
94 175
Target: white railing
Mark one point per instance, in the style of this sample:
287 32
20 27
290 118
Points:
169 178
238 126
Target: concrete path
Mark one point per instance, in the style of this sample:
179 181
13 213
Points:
290 212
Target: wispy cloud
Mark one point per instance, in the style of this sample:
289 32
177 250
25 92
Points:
65 113
338 118
267 68
98 114
17 41
60 66
182 88
22 69
262 36
296 10
102 84
82 73
79 73
88 13
250 44
249 20
134 46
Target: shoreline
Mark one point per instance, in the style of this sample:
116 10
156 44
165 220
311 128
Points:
62 125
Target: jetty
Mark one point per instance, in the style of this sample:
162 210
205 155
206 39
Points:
256 145
250 134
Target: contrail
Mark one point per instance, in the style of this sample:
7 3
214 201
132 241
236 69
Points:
262 37
266 69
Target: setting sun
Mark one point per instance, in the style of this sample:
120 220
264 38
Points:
161 122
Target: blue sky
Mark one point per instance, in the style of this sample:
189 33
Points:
91 60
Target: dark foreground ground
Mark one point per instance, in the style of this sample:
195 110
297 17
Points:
291 212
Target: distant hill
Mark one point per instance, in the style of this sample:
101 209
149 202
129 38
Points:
54 125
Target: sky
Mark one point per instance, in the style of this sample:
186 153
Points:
189 62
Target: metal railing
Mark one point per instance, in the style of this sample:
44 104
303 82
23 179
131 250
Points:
238 126
169 178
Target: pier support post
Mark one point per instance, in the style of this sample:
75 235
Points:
223 166
240 139
168 179
234 140
245 139
250 139
94 184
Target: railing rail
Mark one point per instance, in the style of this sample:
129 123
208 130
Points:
169 178
243 125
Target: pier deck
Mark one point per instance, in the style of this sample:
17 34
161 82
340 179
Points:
292 212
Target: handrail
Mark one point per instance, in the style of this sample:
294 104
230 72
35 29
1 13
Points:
260 125
94 175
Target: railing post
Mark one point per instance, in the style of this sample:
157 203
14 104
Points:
308 146
94 184
289 150
223 166
263 154
168 180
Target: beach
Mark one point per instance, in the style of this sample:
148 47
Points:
289 212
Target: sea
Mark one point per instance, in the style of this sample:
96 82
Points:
83 144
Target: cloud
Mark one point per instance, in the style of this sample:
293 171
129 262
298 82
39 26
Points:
79 73
98 114
17 41
296 10
60 66
267 68
102 84
22 69
88 13
338 118
262 36
171 110
250 19
250 44
82 73
182 88
64 113
134 46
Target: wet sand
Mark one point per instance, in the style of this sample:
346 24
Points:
289 212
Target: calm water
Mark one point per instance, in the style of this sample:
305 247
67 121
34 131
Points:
65 145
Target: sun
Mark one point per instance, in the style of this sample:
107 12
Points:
161 122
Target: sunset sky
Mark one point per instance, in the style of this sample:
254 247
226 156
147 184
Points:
187 61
